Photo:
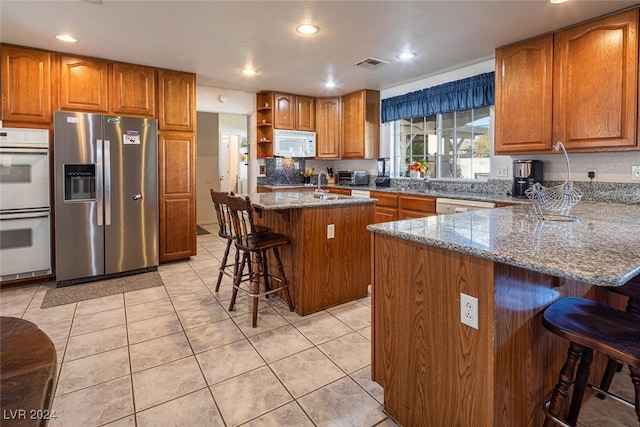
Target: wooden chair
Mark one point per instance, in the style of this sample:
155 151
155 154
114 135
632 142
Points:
632 290
255 246
225 231
590 326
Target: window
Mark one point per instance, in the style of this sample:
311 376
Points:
454 145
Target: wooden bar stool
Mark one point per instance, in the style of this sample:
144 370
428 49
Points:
225 231
632 290
255 247
590 326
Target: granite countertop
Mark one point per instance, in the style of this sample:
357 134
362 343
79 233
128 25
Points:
295 200
602 248
482 197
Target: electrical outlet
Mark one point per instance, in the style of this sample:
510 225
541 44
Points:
331 231
469 310
591 174
503 172
635 173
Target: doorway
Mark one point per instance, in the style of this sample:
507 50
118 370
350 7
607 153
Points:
222 160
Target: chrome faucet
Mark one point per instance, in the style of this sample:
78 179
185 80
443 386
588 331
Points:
320 192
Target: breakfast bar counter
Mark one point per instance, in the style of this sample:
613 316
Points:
328 261
438 371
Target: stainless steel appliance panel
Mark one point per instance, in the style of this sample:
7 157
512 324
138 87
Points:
78 222
131 194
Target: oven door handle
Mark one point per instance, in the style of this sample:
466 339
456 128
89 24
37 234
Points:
12 150
10 217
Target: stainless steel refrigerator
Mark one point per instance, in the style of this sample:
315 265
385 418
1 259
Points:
106 195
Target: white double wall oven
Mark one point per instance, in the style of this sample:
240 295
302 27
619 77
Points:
25 225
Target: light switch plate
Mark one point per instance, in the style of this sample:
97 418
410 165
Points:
331 231
635 173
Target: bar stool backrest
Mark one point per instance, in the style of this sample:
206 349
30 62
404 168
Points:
219 199
241 213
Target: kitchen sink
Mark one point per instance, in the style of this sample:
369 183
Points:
330 196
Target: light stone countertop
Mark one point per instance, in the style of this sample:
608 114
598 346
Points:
296 200
603 248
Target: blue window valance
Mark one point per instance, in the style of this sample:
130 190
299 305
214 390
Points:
473 92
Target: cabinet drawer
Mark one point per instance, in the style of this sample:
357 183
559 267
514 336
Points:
385 199
382 214
408 214
417 203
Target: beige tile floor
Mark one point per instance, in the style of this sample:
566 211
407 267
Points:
175 356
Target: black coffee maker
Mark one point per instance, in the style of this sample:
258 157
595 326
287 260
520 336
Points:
525 174
383 179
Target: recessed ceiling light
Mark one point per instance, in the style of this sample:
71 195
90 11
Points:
330 84
558 1
406 55
66 38
307 29
249 72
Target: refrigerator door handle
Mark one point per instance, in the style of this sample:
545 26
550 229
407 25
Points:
107 182
99 167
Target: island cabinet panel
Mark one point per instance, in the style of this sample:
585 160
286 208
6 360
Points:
176 175
596 87
524 79
426 360
437 371
328 128
26 85
176 100
132 90
324 272
83 84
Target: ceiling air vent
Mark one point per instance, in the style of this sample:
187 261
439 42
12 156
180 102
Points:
371 63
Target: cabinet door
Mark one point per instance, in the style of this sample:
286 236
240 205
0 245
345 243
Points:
524 78
176 157
360 125
383 214
176 100
26 85
328 128
83 84
133 89
595 86
426 205
284 111
305 113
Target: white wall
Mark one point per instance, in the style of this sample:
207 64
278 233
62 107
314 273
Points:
235 102
207 166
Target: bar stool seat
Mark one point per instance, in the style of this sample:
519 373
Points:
590 326
255 246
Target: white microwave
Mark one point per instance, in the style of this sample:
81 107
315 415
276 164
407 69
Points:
294 143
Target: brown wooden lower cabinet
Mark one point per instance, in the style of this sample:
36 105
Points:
393 207
438 372
176 175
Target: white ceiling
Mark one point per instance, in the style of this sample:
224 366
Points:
216 39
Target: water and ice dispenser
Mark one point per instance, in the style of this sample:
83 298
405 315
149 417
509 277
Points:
79 182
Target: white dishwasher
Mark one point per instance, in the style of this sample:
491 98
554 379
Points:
363 194
447 206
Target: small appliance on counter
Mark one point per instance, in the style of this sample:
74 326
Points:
383 179
525 174
353 178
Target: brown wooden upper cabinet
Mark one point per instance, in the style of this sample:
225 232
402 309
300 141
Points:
294 112
132 90
524 78
593 89
328 128
176 100
26 85
360 125
83 84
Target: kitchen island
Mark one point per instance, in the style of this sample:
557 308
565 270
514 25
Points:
437 371
328 261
